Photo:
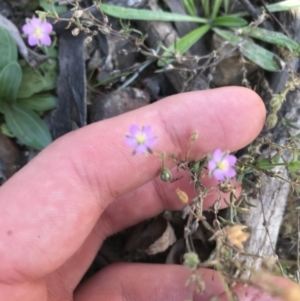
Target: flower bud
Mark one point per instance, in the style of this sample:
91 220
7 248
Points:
166 175
78 13
271 121
88 40
276 102
191 260
75 31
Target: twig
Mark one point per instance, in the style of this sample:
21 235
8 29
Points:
255 14
274 18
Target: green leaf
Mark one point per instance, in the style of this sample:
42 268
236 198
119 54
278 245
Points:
226 4
289 123
35 81
283 6
50 51
259 55
8 48
249 204
146 14
276 7
294 169
216 8
10 80
39 102
265 164
206 7
52 8
27 126
184 44
190 7
31 5
240 210
5 131
271 37
294 164
229 21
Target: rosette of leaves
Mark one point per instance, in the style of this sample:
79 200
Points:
23 95
233 28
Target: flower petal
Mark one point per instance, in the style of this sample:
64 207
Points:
148 131
230 173
36 22
151 142
33 40
27 29
231 159
133 130
130 141
140 138
45 40
211 165
141 149
217 155
46 27
218 174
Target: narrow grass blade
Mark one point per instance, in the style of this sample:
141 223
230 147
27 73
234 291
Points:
146 14
216 8
184 44
276 7
226 5
190 7
229 21
206 8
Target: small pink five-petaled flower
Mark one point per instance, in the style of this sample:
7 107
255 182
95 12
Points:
140 139
221 165
38 32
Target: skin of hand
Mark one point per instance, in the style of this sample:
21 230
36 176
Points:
58 209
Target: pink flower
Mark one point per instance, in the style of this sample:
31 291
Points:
38 32
140 139
221 165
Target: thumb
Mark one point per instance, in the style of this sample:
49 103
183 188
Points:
135 282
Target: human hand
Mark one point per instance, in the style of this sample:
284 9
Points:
58 209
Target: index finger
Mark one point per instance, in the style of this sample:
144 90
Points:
52 204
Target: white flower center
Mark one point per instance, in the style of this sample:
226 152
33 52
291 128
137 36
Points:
223 165
140 138
38 32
